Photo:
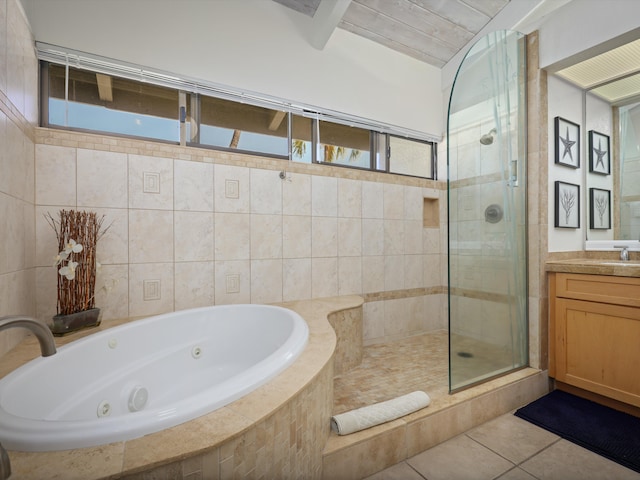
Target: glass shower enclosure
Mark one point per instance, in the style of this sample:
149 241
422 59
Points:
486 184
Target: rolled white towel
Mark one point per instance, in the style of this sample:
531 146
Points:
372 415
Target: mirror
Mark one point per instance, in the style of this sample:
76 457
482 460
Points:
610 80
629 161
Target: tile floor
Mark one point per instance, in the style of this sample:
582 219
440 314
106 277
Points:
421 362
506 448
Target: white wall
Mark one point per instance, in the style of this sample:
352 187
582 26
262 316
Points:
257 45
582 25
591 113
565 101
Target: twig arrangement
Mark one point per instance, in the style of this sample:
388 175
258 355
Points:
78 233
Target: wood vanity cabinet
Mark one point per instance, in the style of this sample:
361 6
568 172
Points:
595 334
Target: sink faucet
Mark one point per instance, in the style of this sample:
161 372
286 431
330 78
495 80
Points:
624 253
39 329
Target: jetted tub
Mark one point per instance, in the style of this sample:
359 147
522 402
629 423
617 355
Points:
146 376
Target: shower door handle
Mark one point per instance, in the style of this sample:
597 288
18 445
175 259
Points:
513 173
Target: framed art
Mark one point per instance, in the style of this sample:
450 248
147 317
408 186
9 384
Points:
599 159
567 205
567 143
599 209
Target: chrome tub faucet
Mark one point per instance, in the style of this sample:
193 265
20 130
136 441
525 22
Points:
38 328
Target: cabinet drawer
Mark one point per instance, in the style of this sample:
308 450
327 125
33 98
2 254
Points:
599 288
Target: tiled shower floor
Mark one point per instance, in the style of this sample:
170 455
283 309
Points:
396 368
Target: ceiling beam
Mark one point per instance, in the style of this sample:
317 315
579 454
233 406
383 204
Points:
105 88
277 120
325 21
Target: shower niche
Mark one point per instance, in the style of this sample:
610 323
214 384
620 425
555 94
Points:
486 188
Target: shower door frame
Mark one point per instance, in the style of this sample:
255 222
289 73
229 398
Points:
515 247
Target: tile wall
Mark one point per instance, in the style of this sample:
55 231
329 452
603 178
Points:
18 117
192 227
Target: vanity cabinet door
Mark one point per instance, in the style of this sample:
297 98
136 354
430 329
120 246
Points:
597 348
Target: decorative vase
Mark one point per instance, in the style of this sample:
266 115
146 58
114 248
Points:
63 324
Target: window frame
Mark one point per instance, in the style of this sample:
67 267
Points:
376 135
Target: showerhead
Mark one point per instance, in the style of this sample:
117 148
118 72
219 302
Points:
487 138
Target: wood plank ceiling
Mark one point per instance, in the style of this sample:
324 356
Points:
432 31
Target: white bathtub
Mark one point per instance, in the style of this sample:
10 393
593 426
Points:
146 376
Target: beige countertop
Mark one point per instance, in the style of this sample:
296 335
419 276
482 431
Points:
595 266
198 435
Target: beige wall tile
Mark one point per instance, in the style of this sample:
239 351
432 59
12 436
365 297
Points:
3 39
296 195
113 246
393 197
349 237
372 200
266 236
102 179
232 282
372 274
349 275
413 237
349 198
363 459
193 236
324 196
393 237
266 192
413 203
150 236
151 288
194 285
13 250
296 279
55 175
372 236
324 277
324 236
112 291
413 271
393 272
231 189
232 236
193 186
296 236
266 281
150 182
373 321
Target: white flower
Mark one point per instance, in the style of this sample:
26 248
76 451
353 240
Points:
72 246
69 270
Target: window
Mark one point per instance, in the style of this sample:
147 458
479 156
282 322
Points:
240 126
99 102
411 157
101 96
343 145
301 139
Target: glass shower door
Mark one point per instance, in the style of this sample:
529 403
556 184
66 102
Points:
486 156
